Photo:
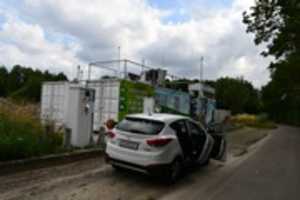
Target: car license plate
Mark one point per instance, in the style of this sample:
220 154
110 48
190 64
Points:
129 144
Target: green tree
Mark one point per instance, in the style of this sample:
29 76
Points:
24 83
32 85
237 95
3 81
276 23
15 79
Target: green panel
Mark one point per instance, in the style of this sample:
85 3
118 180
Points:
132 97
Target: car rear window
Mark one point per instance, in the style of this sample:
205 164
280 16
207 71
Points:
140 126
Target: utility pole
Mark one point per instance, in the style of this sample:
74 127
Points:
143 70
119 63
201 68
89 72
78 73
125 69
201 115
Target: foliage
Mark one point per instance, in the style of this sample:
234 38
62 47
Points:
25 83
281 96
21 134
277 22
3 81
132 97
237 95
252 121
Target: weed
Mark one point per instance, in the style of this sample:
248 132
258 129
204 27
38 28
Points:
22 135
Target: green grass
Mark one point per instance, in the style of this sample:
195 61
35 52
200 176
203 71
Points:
22 135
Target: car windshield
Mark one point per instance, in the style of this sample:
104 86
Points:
140 126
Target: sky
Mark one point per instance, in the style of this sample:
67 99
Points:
60 35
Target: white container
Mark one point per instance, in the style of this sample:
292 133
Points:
115 98
108 102
79 115
54 102
107 96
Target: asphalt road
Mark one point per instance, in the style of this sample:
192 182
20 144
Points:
272 173
271 170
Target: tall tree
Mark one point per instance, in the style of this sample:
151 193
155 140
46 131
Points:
237 95
3 81
24 82
276 23
15 78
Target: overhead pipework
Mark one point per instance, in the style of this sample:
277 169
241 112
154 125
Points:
124 65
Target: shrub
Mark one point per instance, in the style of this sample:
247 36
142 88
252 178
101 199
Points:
260 121
22 135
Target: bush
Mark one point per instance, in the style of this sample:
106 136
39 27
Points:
260 121
22 135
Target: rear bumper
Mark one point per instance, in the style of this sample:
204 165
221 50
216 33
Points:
140 158
155 169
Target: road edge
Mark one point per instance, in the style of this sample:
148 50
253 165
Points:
11 167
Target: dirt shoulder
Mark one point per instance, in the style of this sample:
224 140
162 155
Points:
241 139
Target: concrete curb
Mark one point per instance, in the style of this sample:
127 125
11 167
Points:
14 166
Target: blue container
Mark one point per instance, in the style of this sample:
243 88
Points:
173 101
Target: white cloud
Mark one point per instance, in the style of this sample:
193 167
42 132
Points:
100 26
97 28
26 44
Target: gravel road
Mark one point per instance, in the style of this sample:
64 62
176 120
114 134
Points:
92 179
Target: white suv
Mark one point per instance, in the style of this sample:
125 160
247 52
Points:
161 144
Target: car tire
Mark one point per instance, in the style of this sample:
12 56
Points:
117 168
206 162
175 170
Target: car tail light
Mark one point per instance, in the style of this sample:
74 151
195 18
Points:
159 142
110 134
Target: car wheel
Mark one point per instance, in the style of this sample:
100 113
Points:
175 170
117 168
206 162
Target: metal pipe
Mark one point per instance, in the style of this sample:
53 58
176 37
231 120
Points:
106 62
119 63
139 64
125 66
201 68
125 69
89 72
